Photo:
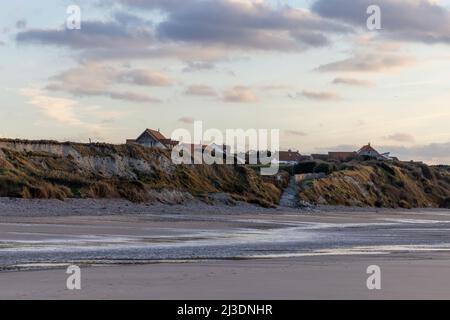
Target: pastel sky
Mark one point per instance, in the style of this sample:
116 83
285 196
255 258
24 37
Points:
309 68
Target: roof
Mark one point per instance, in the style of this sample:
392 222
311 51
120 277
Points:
289 156
156 133
368 149
341 155
169 142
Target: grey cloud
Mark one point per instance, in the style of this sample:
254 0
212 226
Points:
418 21
201 90
434 153
193 30
112 35
132 97
246 25
313 39
221 24
144 78
122 38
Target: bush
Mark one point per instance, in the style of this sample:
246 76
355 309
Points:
326 168
304 167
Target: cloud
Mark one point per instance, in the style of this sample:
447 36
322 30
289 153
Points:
193 66
96 79
71 113
239 94
59 109
192 30
368 62
295 133
131 97
144 78
353 82
424 21
111 35
432 153
201 90
186 120
242 24
401 137
321 96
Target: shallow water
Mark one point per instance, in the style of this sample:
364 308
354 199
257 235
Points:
28 246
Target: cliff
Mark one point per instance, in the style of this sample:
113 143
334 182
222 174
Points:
48 169
379 184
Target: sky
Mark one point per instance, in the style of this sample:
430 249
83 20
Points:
310 68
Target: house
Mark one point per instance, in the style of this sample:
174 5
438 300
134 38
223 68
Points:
341 156
289 157
153 139
368 151
197 152
316 156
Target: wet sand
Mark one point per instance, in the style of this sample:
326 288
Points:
197 251
331 277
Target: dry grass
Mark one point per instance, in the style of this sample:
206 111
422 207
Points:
382 184
43 175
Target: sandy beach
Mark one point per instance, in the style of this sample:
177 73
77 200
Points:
424 276
196 251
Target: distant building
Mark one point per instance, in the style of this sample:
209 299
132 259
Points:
289 157
153 139
369 152
366 151
316 156
342 156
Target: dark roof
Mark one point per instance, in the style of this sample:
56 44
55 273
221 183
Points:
341 155
169 142
290 156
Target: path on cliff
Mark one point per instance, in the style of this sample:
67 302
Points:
289 196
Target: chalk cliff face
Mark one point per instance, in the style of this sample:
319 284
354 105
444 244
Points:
104 160
47 169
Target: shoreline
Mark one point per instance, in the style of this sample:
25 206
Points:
98 207
199 251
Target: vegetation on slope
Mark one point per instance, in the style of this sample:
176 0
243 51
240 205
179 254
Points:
46 175
380 184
